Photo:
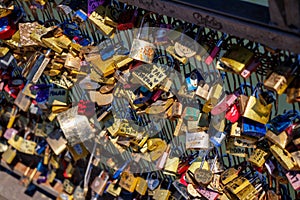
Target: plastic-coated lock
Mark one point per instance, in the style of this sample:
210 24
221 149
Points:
7 29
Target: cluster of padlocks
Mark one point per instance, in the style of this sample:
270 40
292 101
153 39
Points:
104 100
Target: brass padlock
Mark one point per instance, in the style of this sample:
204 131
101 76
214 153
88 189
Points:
141 186
202 91
128 181
281 139
9 155
172 163
278 82
114 189
171 50
237 58
98 20
229 175
258 157
248 193
68 186
283 157
207 107
163 194
237 184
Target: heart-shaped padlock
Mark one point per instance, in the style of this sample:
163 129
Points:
153 181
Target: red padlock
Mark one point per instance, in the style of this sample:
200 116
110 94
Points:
7 28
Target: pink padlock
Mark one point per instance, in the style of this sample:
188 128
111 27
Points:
294 179
9 133
208 194
223 105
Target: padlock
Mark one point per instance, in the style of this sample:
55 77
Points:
141 186
249 68
182 189
215 50
237 184
150 77
164 194
218 138
99 183
282 139
215 183
233 114
68 186
207 193
278 82
283 157
253 128
172 162
114 189
237 58
171 50
248 193
98 20
7 28
176 110
235 130
229 175
293 92
192 191
157 147
258 157
128 181
141 49
197 140
56 142
79 193
207 107
152 182
162 160
202 90
281 122
191 113
9 155
215 93
12 117
294 179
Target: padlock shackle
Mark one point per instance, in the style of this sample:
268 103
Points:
142 23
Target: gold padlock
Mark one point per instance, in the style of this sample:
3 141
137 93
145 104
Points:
281 139
163 194
277 82
258 157
237 184
68 186
98 20
248 193
283 157
229 175
207 107
141 186
237 58
114 189
171 50
9 155
128 181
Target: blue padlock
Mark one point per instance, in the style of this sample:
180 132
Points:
281 122
193 79
253 128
